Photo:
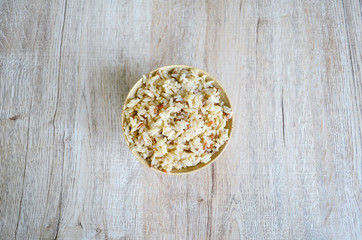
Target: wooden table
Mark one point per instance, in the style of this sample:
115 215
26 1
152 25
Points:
293 70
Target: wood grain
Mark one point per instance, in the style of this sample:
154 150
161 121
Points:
292 170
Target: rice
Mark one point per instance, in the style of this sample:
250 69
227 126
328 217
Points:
176 119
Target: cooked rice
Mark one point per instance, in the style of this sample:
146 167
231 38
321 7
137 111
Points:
177 119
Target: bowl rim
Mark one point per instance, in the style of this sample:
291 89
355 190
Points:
196 169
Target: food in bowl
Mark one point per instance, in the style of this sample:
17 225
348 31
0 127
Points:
176 119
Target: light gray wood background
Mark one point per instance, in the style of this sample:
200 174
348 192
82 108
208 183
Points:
293 70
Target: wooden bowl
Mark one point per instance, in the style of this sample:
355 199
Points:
229 125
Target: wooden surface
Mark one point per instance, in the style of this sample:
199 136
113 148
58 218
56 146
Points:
293 70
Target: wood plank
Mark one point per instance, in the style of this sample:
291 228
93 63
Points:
29 145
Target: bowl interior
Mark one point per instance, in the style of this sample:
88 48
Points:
229 125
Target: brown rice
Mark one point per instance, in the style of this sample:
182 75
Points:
177 119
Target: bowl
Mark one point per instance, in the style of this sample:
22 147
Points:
229 125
